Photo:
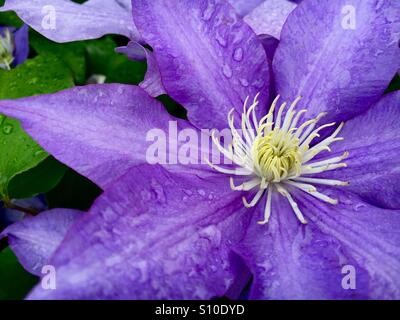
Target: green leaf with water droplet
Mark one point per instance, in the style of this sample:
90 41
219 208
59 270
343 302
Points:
18 152
102 59
72 53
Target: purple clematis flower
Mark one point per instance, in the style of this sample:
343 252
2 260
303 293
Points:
14 46
184 231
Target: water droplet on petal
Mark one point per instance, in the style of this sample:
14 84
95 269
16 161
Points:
221 40
359 206
238 54
158 190
244 82
227 71
212 234
201 192
259 83
346 201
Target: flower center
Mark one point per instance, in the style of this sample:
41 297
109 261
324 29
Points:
276 155
6 50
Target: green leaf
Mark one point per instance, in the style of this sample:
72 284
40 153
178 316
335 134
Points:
9 18
18 152
72 53
74 191
43 74
15 282
102 59
41 179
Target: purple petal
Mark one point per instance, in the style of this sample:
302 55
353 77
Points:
98 130
339 62
21 40
152 83
34 239
209 59
373 142
152 80
133 50
269 17
153 235
64 20
294 261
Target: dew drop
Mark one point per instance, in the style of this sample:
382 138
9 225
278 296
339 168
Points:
359 206
220 40
227 71
238 54
158 190
38 153
212 234
259 83
244 82
378 52
7 129
201 192
346 201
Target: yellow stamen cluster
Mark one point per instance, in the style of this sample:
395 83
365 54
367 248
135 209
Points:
277 155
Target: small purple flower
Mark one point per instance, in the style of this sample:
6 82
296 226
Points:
14 46
184 231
